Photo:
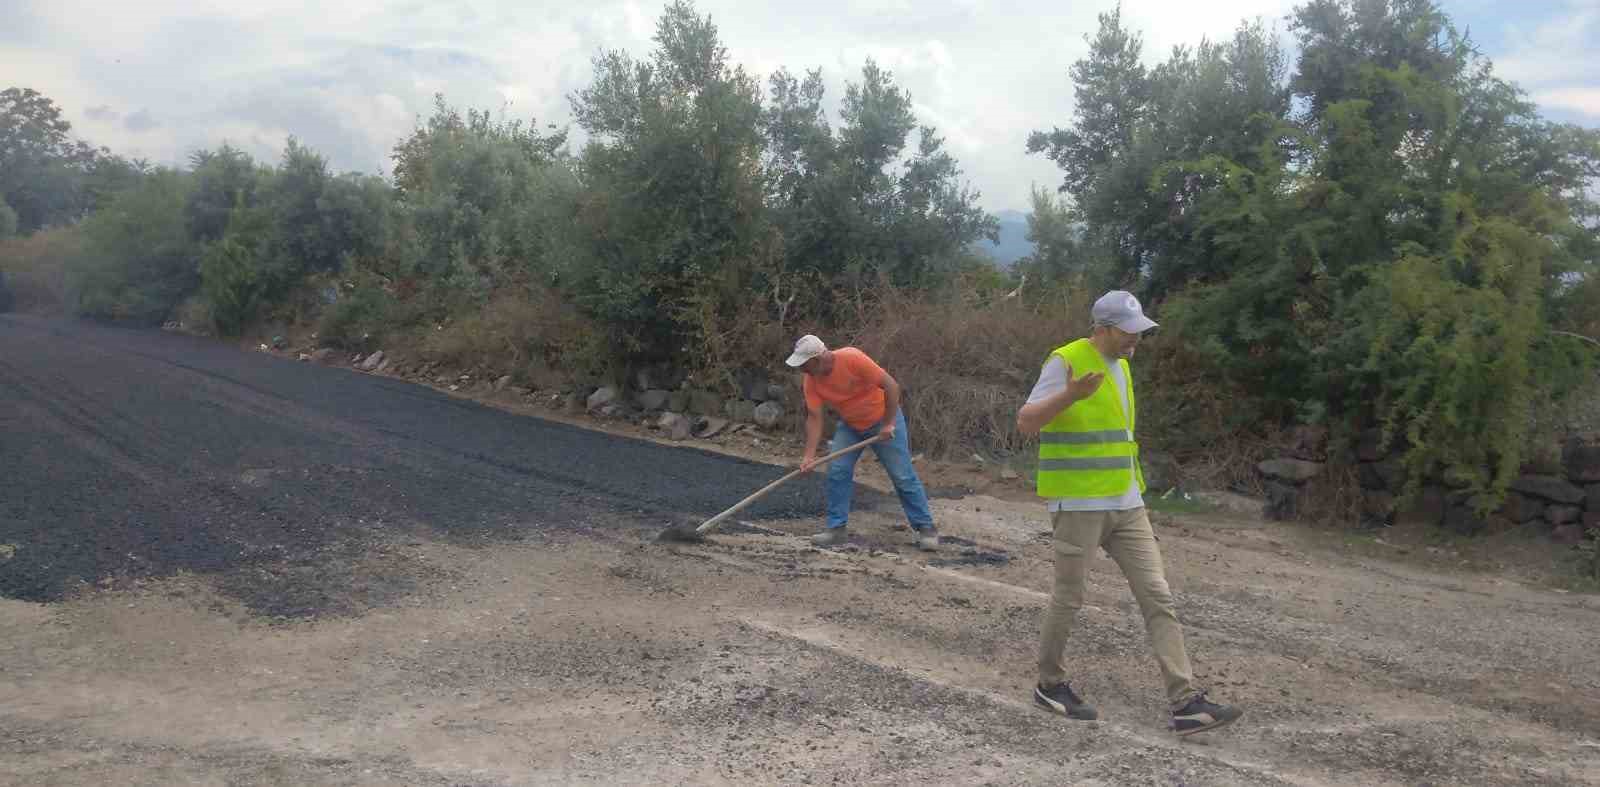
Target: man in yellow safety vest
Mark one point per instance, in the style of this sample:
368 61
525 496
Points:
1090 477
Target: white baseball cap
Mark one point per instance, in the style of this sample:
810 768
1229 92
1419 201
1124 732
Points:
805 349
1121 310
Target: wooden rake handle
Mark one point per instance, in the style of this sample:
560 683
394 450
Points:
736 507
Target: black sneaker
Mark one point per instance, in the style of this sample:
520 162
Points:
1202 714
1061 699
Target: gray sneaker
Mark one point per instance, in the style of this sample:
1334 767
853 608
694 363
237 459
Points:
928 539
831 537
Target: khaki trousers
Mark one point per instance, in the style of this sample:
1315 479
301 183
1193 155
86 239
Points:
1127 536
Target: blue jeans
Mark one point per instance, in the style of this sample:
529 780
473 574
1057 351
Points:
896 458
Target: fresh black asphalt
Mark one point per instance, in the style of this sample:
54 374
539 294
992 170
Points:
133 454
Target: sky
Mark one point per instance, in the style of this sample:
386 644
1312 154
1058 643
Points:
161 78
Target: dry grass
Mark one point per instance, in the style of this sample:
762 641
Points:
967 359
534 336
35 268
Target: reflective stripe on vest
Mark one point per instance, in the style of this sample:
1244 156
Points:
1086 438
1088 449
1088 463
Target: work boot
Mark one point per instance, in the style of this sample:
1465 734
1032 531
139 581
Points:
928 539
1061 699
831 537
1201 715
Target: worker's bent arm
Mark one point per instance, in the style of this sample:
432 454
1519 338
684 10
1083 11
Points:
891 398
1034 415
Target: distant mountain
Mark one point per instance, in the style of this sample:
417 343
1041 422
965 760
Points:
1013 243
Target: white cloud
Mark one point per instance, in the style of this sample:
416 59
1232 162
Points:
1556 61
1582 100
350 78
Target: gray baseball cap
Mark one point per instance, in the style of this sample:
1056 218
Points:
805 349
1121 310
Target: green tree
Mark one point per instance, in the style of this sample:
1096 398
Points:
1395 252
225 180
246 269
673 198
474 192
140 261
1055 232
42 168
846 206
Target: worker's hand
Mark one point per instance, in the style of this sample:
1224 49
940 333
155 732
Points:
1081 388
807 462
885 432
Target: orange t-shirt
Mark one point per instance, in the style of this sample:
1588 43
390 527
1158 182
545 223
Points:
851 389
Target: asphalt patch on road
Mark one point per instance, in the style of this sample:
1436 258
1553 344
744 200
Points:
131 454
967 553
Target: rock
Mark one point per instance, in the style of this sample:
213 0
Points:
303 358
372 361
573 403
602 397
1550 488
1562 515
322 355
775 393
1007 474
382 367
643 380
1369 447
753 386
500 384
1283 501
1458 497
1160 471
1580 455
768 414
675 425
678 401
610 410
705 403
710 426
1309 443
1567 535
651 401
1295 471
741 410
1521 508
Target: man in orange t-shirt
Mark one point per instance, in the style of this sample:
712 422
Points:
867 401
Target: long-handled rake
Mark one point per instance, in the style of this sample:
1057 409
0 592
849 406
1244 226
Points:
685 533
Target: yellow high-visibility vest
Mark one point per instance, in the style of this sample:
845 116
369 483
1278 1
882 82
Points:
1088 449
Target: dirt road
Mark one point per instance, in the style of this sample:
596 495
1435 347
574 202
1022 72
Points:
225 568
